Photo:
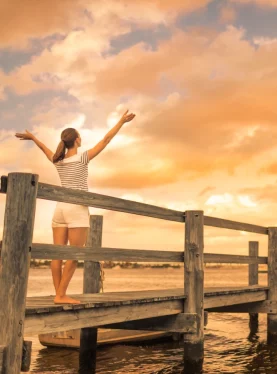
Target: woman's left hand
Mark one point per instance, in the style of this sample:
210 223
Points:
26 136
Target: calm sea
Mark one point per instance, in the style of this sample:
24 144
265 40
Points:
229 346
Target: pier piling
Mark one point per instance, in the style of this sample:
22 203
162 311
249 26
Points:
194 289
15 262
91 284
253 279
272 284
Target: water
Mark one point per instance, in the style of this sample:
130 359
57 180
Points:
229 345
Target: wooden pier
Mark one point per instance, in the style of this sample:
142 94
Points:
173 310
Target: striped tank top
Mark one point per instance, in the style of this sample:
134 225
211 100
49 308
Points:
73 171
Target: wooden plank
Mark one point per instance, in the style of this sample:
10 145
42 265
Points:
234 259
182 322
108 299
263 271
272 283
233 225
94 317
91 284
194 287
57 193
3 367
15 262
46 251
265 306
233 299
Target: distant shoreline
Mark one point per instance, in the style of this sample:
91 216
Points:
42 264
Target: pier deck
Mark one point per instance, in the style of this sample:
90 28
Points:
43 316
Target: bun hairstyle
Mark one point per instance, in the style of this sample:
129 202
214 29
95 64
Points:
68 137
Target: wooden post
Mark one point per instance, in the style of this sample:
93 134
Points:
253 279
272 283
194 289
88 336
15 261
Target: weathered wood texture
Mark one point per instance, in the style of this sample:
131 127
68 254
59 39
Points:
43 316
95 317
44 251
194 287
183 323
3 367
233 225
245 295
253 279
15 261
57 193
91 284
234 259
272 283
26 356
265 307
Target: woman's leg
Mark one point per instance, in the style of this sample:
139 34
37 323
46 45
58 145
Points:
77 237
60 237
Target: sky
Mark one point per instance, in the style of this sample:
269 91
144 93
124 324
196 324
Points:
201 77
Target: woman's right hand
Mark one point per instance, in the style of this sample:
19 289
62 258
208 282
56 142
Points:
25 136
127 117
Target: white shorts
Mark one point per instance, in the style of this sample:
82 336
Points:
70 215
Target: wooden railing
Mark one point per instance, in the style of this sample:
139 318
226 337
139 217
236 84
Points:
192 257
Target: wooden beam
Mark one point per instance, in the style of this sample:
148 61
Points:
45 251
94 317
233 259
194 288
233 225
57 193
15 262
3 367
215 301
91 284
182 322
265 307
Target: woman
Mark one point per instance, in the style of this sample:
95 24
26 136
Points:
70 221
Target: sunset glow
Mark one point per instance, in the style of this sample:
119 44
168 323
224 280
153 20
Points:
200 77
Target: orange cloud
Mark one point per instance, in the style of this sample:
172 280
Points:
35 19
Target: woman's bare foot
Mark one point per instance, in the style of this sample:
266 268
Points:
65 300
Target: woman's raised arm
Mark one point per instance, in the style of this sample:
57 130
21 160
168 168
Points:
29 136
108 137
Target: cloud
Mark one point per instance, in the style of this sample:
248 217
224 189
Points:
23 22
262 3
227 14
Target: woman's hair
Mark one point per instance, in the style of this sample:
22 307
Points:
68 137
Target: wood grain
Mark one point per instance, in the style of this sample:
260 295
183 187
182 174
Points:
15 262
91 284
272 283
233 225
57 193
194 286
